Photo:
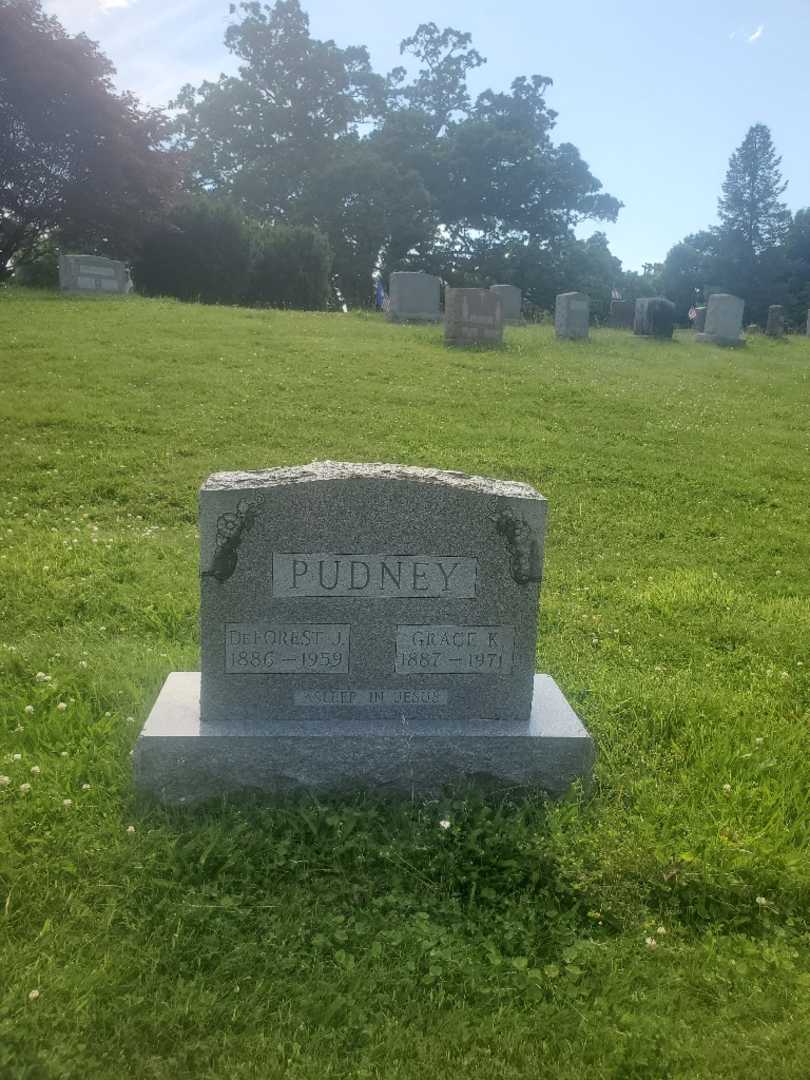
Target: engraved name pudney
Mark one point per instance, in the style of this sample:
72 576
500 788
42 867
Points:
305 648
462 650
381 577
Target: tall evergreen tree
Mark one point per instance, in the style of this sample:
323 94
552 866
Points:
750 206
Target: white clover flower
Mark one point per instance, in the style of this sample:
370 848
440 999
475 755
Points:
33 995
85 787
64 754
130 719
762 901
35 770
61 706
726 789
5 781
82 663
42 677
661 931
25 788
16 757
650 942
130 828
67 802
29 709
444 824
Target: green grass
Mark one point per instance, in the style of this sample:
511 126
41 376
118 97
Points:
358 939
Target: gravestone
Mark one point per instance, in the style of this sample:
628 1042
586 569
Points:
364 626
622 313
414 297
724 316
511 302
472 317
572 315
776 321
654 317
93 274
699 321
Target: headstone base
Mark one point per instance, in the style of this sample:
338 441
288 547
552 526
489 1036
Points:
180 759
727 343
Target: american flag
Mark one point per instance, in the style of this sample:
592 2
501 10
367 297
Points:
692 313
615 294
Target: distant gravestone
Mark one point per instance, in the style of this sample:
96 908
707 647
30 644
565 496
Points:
472 317
511 302
699 321
364 626
414 297
93 274
622 313
776 321
654 317
724 316
572 315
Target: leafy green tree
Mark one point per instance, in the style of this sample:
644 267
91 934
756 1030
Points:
290 267
74 155
264 136
750 206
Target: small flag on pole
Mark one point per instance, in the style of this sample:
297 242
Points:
692 313
615 294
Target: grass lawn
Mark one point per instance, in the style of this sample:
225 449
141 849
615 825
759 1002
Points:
655 927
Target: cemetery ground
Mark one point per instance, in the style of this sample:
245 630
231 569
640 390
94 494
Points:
656 926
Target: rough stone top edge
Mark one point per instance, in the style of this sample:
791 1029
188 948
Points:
374 470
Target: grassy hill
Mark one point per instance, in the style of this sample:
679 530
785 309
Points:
657 927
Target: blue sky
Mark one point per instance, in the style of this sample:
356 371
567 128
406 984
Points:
655 95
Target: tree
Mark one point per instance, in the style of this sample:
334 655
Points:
74 156
749 206
263 137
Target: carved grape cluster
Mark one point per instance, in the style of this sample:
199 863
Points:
525 560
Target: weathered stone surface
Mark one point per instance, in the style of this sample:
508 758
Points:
472 317
724 318
414 297
622 314
776 321
572 315
654 317
378 580
93 274
182 758
511 302
364 626
699 322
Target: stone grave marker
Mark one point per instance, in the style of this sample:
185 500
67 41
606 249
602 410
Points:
93 274
699 321
654 317
622 313
472 317
364 626
724 316
414 297
572 315
776 321
511 302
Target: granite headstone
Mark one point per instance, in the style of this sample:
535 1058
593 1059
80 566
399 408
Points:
93 274
622 313
364 626
472 317
776 321
511 302
414 297
699 321
654 317
572 315
724 316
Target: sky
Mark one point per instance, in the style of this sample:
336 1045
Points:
656 96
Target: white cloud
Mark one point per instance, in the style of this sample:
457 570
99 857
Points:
757 34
